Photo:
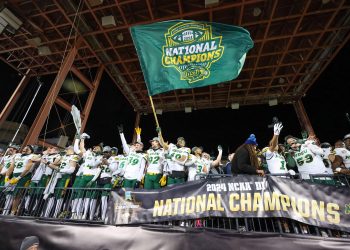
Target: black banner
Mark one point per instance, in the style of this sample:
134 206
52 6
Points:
60 236
236 197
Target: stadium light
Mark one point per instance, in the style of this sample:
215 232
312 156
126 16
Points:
10 18
235 105
273 102
188 109
44 51
159 111
94 3
35 42
211 3
108 21
257 11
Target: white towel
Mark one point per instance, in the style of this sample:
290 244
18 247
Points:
38 173
50 188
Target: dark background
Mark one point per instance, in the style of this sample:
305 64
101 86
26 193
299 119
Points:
326 104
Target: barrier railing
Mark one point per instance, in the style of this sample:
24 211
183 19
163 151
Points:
90 205
63 203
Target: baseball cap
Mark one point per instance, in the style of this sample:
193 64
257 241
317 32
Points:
154 139
346 137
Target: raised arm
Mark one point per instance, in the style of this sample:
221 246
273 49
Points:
126 147
217 161
161 140
314 148
138 134
82 146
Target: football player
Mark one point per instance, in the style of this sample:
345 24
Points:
65 169
307 157
90 172
275 160
135 166
20 167
155 164
178 155
342 151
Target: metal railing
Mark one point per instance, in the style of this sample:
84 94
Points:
90 205
63 203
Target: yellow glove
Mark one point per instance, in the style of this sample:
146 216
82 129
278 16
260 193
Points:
162 181
14 181
138 130
143 180
7 179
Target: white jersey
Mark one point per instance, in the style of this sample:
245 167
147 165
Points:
91 161
326 161
178 157
276 163
64 167
106 171
308 162
135 166
20 162
198 166
155 160
345 155
6 163
50 159
118 164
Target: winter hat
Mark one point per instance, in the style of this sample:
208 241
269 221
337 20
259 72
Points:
251 140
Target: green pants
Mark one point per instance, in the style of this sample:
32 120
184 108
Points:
82 183
129 183
20 184
75 185
105 192
175 181
152 181
60 185
37 188
2 180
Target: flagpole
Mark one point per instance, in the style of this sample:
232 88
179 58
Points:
154 111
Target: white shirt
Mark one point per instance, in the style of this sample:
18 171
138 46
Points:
65 163
308 162
276 163
345 155
91 161
6 163
155 160
135 166
178 157
20 162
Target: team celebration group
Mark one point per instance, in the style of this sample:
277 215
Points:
40 181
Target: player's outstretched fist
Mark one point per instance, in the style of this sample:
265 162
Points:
120 128
84 136
277 128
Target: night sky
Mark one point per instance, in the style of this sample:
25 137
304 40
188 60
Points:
326 104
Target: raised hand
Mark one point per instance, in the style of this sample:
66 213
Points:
277 128
138 130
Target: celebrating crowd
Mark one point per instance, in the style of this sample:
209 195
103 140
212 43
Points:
28 177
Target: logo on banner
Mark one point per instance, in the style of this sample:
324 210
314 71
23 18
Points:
347 208
191 49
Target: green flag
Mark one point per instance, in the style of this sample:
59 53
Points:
182 54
